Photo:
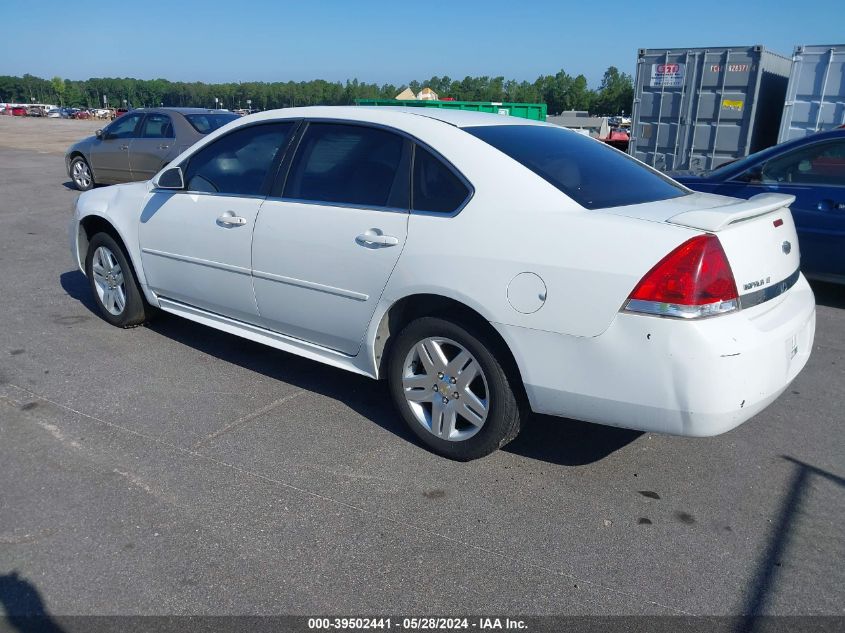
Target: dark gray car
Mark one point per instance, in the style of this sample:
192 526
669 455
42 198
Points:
138 144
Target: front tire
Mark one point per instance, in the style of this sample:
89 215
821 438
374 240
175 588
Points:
451 390
81 174
113 283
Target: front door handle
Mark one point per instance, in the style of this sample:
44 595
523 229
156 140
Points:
230 219
124 147
164 146
374 238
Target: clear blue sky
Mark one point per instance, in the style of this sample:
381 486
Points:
384 41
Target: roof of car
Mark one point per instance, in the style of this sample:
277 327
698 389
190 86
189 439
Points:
183 110
838 132
457 118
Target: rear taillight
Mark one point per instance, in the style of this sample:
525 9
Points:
694 280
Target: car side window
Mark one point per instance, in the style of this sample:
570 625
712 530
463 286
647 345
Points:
436 187
819 164
350 164
124 127
157 126
238 163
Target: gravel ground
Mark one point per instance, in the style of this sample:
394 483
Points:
43 135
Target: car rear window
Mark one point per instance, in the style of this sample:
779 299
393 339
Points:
591 173
208 122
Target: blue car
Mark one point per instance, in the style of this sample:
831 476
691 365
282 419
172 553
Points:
813 170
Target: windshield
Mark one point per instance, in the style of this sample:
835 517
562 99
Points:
208 122
588 171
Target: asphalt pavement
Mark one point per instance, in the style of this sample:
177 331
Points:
174 469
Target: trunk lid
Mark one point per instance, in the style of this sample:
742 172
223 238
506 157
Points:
760 241
758 236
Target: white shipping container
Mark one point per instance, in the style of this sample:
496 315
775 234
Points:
815 97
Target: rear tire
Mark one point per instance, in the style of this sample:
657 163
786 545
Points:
451 390
81 174
113 284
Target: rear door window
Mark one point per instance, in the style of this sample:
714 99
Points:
239 162
157 126
593 174
350 164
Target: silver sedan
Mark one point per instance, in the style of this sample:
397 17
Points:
138 144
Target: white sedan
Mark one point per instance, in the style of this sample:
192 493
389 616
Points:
486 266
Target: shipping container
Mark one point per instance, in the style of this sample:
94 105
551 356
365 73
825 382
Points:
697 108
533 111
815 98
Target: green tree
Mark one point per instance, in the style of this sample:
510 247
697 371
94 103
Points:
560 91
616 93
59 88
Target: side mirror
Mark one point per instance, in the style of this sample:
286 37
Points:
171 179
99 134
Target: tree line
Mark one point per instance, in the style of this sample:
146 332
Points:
560 92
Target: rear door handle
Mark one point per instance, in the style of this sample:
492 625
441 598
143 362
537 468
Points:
124 147
374 238
230 219
831 205
164 146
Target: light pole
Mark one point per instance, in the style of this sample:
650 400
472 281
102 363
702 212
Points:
249 105
216 101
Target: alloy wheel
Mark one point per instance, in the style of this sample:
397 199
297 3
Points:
81 174
445 388
108 280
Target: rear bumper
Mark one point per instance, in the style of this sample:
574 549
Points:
695 378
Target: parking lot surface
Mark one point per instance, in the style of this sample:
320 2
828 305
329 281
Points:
43 135
174 469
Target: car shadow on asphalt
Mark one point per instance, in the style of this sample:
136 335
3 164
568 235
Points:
69 185
551 439
829 294
76 286
567 442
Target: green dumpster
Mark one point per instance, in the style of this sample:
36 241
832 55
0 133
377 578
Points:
533 111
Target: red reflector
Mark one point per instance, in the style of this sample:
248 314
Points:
695 273
778 222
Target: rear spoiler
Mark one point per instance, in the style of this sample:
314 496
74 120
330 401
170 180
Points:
718 218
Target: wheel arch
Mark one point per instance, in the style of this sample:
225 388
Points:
415 306
92 224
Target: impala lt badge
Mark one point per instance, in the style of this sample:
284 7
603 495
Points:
786 247
757 283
